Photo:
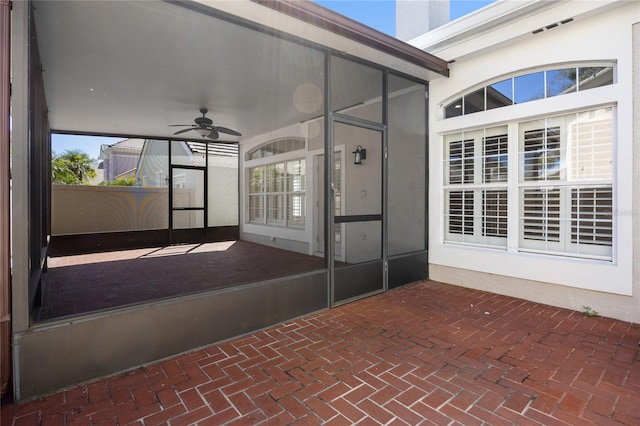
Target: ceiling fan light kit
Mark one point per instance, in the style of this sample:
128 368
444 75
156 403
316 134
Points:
204 127
202 131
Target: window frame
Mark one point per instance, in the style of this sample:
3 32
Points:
281 192
517 183
275 147
455 106
472 187
564 184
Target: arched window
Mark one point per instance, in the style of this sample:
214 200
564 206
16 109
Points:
277 185
275 147
530 87
538 183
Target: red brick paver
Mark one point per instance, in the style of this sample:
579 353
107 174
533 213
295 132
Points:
427 353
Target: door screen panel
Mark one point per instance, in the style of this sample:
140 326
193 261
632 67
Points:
358 191
188 219
364 241
188 188
188 204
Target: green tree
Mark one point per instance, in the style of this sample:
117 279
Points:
121 182
72 168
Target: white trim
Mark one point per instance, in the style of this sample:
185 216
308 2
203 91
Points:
557 105
312 158
503 22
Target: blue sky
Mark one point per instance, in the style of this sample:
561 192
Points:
381 14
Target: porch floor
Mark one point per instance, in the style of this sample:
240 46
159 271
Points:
92 282
426 353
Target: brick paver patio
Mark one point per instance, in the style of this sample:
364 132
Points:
427 353
96 281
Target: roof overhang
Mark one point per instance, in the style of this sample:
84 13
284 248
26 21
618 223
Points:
503 23
326 19
308 21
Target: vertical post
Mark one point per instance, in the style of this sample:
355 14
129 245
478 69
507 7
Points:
384 183
329 159
5 190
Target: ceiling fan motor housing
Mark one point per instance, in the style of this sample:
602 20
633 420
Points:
203 121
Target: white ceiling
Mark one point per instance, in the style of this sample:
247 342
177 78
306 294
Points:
133 68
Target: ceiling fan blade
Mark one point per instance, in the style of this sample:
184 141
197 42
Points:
227 131
214 134
180 125
183 130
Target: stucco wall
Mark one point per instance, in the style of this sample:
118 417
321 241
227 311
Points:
77 209
84 208
610 287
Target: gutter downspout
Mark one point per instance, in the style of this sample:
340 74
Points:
5 191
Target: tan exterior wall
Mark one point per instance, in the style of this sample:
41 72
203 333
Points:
77 209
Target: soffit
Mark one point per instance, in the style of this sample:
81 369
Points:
503 23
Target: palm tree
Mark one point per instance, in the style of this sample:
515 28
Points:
72 168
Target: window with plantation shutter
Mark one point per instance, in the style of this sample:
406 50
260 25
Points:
542 183
461 165
566 184
476 187
277 194
562 189
494 215
494 165
591 216
541 214
461 212
296 193
542 154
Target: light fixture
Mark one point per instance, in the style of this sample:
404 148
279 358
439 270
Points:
359 154
202 131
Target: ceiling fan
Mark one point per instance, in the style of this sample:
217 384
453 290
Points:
205 128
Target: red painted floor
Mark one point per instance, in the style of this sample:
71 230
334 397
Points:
427 353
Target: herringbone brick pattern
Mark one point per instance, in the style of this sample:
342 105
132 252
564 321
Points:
427 353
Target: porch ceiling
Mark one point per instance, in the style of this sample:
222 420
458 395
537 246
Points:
133 68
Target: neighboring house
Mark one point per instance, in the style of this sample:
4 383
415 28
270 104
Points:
533 183
120 159
99 178
222 166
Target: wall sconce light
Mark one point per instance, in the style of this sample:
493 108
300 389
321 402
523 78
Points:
359 154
